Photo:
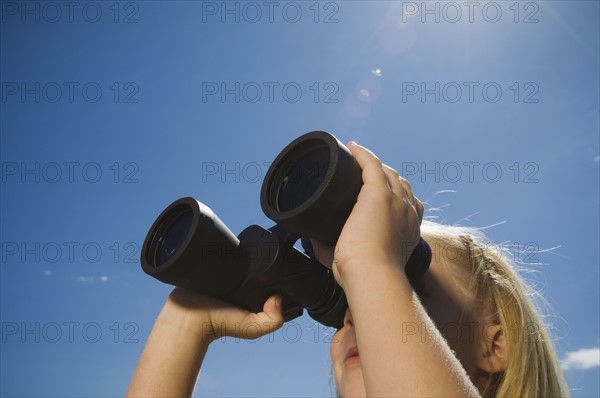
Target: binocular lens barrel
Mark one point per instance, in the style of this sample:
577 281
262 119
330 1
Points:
189 246
312 186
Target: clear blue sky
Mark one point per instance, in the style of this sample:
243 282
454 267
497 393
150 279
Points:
110 111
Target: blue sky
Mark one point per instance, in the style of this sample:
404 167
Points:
110 111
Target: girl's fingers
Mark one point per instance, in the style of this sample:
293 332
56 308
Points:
372 171
413 199
420 209
273 308
407 186
401 187
270 319
395 182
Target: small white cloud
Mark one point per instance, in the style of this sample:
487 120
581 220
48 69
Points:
596 158
585 358
47 273
92 278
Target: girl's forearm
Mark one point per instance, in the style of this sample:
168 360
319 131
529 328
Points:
401 351
173 354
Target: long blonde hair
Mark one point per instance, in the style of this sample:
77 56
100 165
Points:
532 367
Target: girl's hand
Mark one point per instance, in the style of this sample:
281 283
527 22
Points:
179 340
219 318
384 226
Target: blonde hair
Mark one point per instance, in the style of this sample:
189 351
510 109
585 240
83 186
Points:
532 367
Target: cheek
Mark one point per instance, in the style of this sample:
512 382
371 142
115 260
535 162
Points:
336 345
336 352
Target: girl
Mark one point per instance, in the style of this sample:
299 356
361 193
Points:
473 332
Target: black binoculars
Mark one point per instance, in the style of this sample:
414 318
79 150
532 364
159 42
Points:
309 191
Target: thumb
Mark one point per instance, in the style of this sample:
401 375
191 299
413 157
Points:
265 322
273 308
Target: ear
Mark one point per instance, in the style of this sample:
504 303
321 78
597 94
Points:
493 355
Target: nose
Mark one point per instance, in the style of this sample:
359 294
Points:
348 321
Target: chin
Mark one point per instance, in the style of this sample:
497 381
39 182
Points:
352 385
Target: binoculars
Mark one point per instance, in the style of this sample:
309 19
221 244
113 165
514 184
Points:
309 192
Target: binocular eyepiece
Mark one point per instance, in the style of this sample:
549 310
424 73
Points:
309 191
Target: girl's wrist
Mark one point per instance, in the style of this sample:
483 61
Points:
186 314
355 271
